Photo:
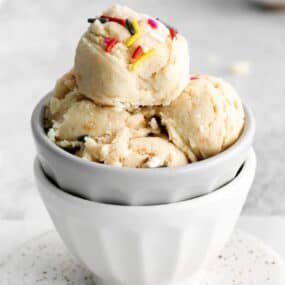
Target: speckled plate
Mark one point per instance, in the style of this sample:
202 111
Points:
45 261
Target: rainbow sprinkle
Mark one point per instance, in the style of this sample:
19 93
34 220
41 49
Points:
152 23
143 57
114 19
107 41
130 27
91 20
110 44
164 23
134 37
140 53
137 53
172 32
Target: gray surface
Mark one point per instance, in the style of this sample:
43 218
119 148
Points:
38 39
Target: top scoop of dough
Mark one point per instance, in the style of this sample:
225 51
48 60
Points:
113 77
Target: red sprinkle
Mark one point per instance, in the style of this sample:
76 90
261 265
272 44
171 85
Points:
152 23
110 45
107 41
137 52
194 78
172 32
115 19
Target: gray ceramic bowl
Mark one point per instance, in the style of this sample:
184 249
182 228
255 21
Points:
131 186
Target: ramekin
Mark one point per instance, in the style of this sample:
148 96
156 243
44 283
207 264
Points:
147 245
131 186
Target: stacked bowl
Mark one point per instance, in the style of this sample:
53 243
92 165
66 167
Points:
153 236
143 226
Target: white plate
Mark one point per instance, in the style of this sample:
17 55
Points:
45 261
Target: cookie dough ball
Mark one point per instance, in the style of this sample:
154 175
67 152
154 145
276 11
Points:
148 68
206 118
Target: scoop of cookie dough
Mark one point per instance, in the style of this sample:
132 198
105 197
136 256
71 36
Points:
105 134
111 76
205 119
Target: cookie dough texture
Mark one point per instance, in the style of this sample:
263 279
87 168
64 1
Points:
106 111
107 134
106 78
205 119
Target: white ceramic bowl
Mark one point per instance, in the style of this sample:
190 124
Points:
147 245
130 186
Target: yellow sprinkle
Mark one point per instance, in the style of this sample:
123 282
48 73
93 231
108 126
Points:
134 37
144 56
136 26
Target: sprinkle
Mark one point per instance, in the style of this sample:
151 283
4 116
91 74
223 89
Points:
102 20
130 27
110 45
137 53
115 19
134 37
165 24
194 77
91 20
168 26
107 41
172 32
152 23
143 57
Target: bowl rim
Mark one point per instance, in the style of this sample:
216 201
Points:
244 141
49 186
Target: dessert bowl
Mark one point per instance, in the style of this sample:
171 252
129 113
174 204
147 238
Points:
147 245
131 186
